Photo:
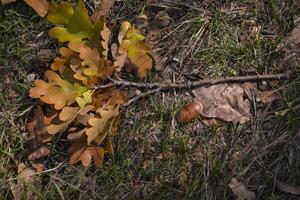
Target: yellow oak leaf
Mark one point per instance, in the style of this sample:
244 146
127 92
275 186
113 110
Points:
63 35
136 48
56 91
85 99
101 125
60 13
77 23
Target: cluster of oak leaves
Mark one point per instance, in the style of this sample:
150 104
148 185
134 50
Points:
68 100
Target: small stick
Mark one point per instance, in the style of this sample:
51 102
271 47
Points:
194 84
140 96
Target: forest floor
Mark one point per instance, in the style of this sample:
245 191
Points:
155 157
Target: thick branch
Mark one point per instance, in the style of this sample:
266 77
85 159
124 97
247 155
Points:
195 84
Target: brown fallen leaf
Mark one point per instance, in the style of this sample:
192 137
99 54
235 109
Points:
40 6
26 176
37 129
225 102
267 96
6 1
240 190
103 9
288 188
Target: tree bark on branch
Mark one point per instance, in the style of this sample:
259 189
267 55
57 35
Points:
194 84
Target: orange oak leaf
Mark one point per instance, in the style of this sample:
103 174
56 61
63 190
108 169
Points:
84 154
56 91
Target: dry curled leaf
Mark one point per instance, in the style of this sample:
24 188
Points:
240 190
40 6
225 102
295 190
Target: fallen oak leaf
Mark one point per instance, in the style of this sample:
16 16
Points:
56 91
60 13
84 154
136 48
63 14
103 9
40 6
295 190
101 125
225 102
240 190
26 177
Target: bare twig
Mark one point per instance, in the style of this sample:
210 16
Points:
149 92
195 84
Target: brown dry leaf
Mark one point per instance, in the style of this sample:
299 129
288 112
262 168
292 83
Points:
295 190
26 176
40 6
38 135
240 190
267 96
7 1
225 102
39 153
103 9
85 154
